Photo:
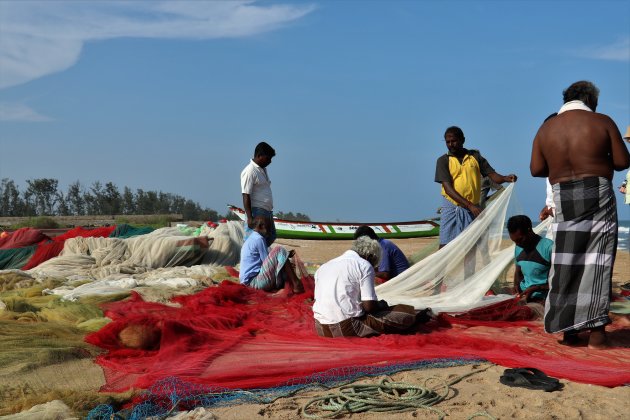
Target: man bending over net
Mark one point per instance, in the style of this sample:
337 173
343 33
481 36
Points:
345 300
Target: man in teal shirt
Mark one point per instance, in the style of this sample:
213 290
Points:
533 259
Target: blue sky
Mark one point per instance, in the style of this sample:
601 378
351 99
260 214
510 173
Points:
353 95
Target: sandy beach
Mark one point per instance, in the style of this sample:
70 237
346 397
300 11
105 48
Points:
480 392
477 393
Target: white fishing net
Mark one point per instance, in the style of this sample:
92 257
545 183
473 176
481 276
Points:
457 277
165 258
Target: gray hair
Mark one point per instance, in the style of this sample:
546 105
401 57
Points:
259 220
584 91
368 249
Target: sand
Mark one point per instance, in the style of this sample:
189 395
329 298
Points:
480 392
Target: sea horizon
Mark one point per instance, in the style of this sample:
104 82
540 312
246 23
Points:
624 235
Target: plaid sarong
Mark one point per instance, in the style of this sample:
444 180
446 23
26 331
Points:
394 320
583 256
453 220
270 277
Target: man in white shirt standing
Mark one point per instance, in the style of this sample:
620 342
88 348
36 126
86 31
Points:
345 299
256 190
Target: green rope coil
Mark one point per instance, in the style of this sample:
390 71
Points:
386 396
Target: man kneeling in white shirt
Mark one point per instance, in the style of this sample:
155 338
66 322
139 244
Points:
345 300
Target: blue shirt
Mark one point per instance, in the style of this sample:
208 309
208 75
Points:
253 253
393 260
535 264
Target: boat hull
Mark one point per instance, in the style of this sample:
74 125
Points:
289 229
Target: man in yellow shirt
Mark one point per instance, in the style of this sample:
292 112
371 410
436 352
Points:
460 172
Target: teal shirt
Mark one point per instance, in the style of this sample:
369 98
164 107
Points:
535 265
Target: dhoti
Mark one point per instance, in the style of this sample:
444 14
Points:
585 230
453 220
270 277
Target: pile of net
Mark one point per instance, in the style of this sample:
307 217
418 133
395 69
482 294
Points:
238 337
45 312
235 338
114 259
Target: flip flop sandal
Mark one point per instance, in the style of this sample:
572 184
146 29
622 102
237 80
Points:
529 381
533 371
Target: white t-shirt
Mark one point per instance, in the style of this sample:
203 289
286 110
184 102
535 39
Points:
256 183
340 286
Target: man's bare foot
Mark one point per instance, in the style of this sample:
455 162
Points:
284 293
597 339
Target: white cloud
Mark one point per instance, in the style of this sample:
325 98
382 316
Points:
20 113
617 51
40 38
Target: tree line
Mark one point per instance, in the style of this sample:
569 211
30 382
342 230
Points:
43 197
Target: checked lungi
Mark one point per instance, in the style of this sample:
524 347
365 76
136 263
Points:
583 256
453 220
270 277
395 319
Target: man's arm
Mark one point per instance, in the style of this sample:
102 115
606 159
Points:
532 289
371 306
538 164
247 206
518 276
382 271
500 179
450 190
545 212
261 246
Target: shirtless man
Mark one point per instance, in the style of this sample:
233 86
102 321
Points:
579 150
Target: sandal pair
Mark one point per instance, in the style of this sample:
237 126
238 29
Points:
530 378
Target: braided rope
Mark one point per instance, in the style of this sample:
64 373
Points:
386 396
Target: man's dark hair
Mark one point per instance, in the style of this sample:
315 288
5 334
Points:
365 230
263 149
584 91
520 222
456 131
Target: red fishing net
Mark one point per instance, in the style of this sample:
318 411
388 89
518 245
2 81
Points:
48 249
21 238
238 337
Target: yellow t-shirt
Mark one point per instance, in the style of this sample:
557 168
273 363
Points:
465 175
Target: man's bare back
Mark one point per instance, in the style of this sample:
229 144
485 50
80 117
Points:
578 144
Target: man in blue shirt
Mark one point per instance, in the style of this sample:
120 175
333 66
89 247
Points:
533 259
263 268
393 261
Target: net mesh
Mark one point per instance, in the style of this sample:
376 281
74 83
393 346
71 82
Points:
249 341
172 394
458 276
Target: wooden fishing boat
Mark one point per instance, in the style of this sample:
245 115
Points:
291 229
